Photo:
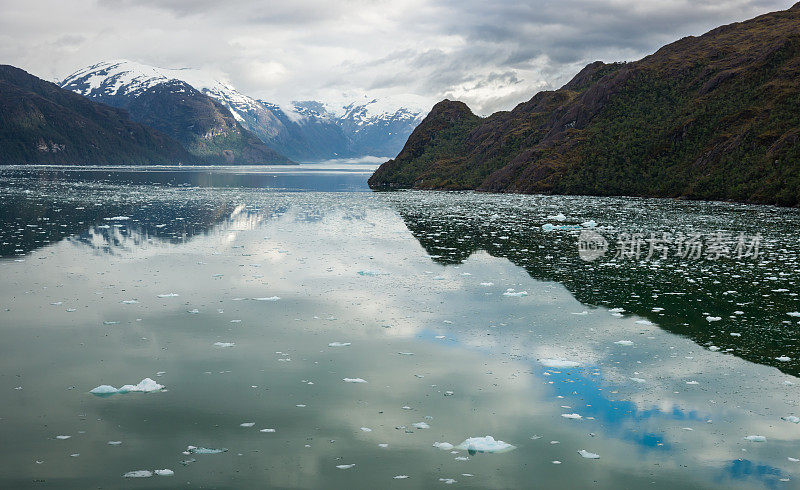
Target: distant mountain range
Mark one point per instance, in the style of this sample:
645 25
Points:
303 131
710 117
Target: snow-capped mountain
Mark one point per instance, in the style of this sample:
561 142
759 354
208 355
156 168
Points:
304 131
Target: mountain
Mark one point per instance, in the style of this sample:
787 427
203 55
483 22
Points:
207 127
710 117
303 130
41 123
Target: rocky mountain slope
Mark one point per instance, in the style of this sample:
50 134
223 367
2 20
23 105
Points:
303 131
709 117
207 127
41 123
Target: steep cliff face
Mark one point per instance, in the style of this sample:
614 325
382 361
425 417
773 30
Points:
709 117
41 123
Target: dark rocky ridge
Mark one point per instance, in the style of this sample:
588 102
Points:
709 117
41 123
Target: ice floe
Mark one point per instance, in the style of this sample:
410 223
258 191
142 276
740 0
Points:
558 363
224 344
339 344
354 380
486 444
146 385
586 454
755 438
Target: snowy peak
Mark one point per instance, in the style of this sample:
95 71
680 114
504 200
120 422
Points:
346 125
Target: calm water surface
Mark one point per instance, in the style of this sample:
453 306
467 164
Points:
262 298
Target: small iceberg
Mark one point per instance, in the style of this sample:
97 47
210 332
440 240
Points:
354 380
338 344
515 294
558 363
755 438
224 344
146 385
783 359
486 444
791 418
421 425
270 298
205 450
444 446
164 472
138 474
168 295
586 454
624 342
345 466
573 416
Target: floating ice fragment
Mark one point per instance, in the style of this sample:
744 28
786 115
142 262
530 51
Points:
366 429
755 438
168 295
617 310
369 273
713 318
558 363
117 218
146 385
573 416
63 437
448 481
400 477
354 380
338 344
267 430
445 446
205 450
793 460
783 359
624 342
487 284
421 425
692 382
735 334
114 443
515 294
713 348
247 424
270 298
791 418
129 302
138 474
644 322
104 390
164 472
794 313
345 466
558 217
486 444
589 224
638 380
224 344
586 454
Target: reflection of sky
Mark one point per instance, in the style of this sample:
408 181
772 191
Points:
746 470
585 385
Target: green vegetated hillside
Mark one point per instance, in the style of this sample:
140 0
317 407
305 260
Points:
709 117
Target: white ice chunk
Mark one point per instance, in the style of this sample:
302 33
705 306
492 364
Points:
224 344
558 363
755 438
138 474
783 359
586 454
354 380
270 298
338 344
146 385
345 466
624 342
486 444
573 416
445 446
791 418
103 390
164 472
421 425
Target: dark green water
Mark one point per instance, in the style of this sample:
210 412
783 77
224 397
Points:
452 308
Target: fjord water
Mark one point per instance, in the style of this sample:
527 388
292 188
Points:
366 327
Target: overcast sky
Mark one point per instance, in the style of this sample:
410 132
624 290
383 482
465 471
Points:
491 54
